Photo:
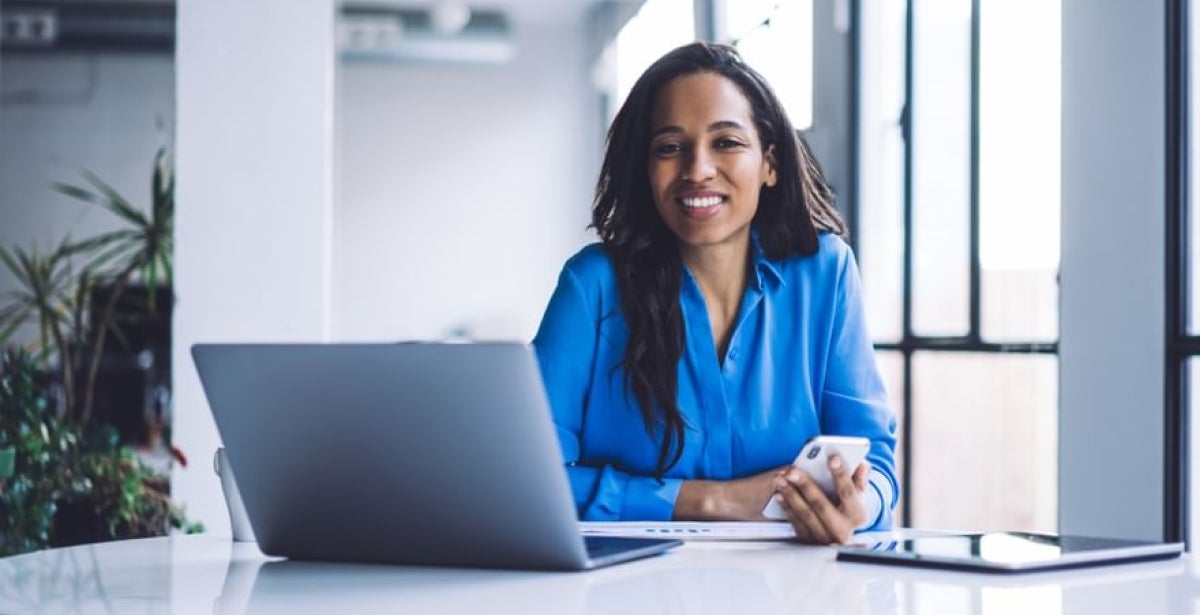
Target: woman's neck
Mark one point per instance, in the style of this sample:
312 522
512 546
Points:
720 271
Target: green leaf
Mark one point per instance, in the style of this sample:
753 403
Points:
120 255
14 316
101 241
168 272
75 192
116 203
10 263
104 262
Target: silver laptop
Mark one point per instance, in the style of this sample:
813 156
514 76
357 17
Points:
429 454
1007 551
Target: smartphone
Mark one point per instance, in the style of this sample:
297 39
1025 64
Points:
813 460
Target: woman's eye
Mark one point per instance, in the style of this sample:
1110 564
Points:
727 143
665 149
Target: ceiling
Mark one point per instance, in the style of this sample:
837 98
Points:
555 12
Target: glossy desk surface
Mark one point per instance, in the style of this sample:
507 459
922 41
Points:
210 574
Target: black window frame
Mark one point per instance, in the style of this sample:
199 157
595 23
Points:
1181 346
910 343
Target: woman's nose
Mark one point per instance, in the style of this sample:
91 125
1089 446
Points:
698 166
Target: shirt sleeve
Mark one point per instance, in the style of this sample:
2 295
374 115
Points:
566 345
854 401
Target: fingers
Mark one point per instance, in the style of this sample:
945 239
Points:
850 490
846 489
817 519
814 517
809 528
860 475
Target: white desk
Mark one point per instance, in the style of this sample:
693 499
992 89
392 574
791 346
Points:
209 574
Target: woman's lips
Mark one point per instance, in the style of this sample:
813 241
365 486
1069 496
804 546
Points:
700 206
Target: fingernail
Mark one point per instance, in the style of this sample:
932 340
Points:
795 476
780 483
835 462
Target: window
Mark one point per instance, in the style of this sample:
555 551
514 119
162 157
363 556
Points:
959 266
658 27
1182 513
776 38
959 262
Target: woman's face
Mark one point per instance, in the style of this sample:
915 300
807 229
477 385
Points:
706 162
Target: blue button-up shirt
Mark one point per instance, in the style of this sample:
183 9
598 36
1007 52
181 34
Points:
799 363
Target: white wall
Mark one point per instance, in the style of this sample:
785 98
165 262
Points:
462 188
61 114
254 194
1111 350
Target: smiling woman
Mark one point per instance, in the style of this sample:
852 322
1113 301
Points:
724 299
706 163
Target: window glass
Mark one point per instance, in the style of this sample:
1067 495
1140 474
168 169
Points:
1193 401
1019 168
740 17
941 166
985 441
891 368
658 27
779 45
880 244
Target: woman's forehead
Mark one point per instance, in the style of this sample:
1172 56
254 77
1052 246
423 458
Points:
699 100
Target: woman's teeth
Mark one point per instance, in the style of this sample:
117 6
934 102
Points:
701 202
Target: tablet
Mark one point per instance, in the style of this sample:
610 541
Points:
1007 551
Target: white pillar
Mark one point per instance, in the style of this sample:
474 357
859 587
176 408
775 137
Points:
1112 344
254 164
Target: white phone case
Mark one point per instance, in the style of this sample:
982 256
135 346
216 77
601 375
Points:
813 460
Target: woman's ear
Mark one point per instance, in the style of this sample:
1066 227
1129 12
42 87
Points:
769 176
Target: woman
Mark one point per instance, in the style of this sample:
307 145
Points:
719 325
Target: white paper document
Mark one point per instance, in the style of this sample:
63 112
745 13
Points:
691 530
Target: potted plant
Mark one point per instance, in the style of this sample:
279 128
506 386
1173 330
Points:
8 456
67 464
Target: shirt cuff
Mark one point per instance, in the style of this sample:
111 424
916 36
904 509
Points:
650 499
875 500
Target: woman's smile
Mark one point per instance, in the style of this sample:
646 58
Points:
701 205
706 163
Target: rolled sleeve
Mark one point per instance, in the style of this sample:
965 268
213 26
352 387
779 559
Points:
565 345
878 502
608 494
854 400
650 499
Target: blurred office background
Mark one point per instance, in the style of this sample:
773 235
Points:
386 170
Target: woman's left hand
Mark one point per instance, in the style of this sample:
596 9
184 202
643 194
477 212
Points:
816 519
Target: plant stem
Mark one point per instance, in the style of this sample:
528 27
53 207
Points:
118 289
64 357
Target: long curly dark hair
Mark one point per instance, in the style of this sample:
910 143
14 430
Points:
645 253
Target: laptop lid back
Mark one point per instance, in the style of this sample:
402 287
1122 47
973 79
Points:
441 454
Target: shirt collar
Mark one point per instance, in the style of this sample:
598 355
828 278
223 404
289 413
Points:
762 263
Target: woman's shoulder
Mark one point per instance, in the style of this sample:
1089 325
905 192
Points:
832 255
591 265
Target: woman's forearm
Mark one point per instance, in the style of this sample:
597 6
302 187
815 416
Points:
740 499
699 500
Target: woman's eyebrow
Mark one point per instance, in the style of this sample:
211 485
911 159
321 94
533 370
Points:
713 127
671 129
723 124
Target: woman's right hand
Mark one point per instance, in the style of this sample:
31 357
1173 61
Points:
741 499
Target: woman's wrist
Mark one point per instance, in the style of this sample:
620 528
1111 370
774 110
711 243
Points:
698 500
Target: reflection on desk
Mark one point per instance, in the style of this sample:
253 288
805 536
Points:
208 574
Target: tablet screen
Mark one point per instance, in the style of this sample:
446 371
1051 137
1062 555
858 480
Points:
1006 550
